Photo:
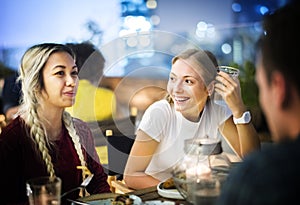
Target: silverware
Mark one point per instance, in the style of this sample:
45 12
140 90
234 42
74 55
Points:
85 182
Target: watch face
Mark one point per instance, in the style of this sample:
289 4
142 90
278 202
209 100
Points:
247 117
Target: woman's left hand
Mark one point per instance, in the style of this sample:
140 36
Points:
229 88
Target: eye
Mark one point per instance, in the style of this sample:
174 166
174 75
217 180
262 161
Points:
171 78
60 73
188 81
74 73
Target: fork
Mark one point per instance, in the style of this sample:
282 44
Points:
85 182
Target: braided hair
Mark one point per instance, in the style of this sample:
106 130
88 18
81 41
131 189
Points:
32 64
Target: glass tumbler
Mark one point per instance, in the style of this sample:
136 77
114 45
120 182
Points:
44 190
234 73
206 191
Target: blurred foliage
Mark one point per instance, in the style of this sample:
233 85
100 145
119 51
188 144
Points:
5 71
249 89
250 92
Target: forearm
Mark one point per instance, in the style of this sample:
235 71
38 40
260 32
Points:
242 138
248 138
140 181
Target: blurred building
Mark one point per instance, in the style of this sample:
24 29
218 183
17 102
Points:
229 28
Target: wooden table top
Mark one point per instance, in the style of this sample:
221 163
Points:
147 194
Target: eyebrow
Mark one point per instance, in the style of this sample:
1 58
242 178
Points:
186 76
64 67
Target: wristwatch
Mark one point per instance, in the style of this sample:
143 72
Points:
245 119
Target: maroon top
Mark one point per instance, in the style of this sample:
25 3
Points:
19 162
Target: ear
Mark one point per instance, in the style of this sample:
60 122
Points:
210 88
278 85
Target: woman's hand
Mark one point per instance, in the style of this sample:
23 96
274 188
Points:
229 88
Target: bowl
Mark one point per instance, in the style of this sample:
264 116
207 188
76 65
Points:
168 193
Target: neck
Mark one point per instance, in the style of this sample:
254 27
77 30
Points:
52 123
193 115
196 114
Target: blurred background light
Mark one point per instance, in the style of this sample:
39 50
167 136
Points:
206 23
236 7
151 4
262 9
226 48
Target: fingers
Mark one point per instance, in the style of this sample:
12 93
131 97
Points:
226 78
227 86
229 89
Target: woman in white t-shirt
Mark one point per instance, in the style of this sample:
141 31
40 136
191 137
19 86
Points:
188 112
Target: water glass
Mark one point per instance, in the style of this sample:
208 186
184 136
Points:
206 191
44 190
234 73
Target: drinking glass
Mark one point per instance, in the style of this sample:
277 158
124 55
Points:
234 73
44 190
206 191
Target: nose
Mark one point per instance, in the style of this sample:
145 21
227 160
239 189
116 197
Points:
177 87
70 81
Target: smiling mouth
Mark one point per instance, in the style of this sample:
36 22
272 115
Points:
180 100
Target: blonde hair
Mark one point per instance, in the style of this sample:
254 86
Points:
200 62
32 64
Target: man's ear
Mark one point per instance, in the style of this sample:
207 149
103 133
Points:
279 89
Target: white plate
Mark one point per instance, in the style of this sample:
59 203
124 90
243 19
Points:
168 193
158 202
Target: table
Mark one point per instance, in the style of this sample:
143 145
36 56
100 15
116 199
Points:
145 194
151 193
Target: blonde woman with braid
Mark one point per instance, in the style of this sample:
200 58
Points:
44 140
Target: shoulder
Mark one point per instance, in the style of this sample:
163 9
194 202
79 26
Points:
81 127
83 130
15 131
158 114
78 123
260 163
14 126
263 173
161 104
264 166
161 109
156 118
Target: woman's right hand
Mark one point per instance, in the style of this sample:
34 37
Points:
229 88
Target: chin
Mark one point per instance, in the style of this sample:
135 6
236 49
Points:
69 105
178 108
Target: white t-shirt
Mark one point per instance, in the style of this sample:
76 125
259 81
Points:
168 127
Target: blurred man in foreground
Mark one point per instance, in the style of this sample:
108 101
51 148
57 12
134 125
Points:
271 176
